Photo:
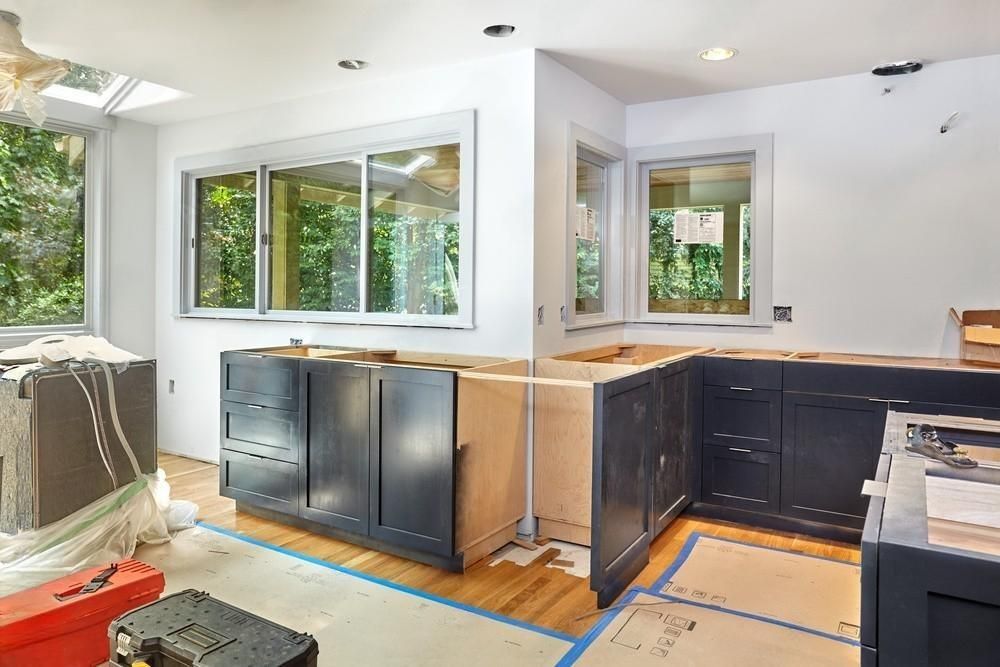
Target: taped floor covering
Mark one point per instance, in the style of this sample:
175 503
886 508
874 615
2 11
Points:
728 603
356 620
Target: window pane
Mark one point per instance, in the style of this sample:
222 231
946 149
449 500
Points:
226 241
699 239
88 79
316 224
590 199
42 228
414 220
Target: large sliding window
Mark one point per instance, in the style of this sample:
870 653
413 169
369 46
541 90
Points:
50 234
380 231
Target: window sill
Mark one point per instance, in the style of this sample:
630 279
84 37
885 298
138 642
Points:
423 321
593 325
705 323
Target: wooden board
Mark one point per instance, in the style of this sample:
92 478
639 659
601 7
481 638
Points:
962 501
636 354
550 529
492 439
963 536
563 442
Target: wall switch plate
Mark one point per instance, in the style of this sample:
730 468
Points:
782 313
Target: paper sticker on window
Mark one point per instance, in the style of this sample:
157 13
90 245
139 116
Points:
586 223
698 227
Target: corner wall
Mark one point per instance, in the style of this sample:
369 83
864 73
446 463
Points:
881 223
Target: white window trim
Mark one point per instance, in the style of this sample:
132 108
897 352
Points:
761 147
95 278
613 228
350 144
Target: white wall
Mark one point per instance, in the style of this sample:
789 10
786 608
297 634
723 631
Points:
500 90
132 238
562 97
880 221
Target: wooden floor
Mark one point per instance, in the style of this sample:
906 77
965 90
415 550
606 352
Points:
534 593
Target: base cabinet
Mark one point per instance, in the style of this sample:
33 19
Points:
741 478
412 446
671 447
830 445
334 469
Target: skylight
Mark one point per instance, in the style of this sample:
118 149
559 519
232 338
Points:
91 86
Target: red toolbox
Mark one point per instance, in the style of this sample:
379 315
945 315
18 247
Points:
65 622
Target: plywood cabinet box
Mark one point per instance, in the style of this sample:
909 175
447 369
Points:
613 450
389 449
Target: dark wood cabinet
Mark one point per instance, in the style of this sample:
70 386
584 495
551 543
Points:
743 417
257 379
334 467
412 448
746 373
624 417
741 478
260 431
830 445
671 447
259 481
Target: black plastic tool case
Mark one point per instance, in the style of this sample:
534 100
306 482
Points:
192 629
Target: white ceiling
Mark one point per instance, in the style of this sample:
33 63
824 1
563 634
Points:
232 54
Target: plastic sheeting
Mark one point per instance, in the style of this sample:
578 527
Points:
103 532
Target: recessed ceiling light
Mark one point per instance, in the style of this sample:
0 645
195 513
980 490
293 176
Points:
898 67
499 30
718 53
353 64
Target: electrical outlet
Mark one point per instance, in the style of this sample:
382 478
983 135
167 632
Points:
295 341
782 313
170 386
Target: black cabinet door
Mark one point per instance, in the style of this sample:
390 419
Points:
741 478
267 432
624 414
671 447
830 446
259 482
333 472
258 379
742 417
412 442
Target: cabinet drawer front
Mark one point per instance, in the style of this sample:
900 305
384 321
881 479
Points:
747 373
267 432
740 478
260 380
259 482
748 419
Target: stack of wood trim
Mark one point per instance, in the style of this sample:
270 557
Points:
980 335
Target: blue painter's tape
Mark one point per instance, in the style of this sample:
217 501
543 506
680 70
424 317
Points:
755 617
676 565
393 585
584 642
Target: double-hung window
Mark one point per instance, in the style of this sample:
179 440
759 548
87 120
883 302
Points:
377 229
51 194
704 215
595 210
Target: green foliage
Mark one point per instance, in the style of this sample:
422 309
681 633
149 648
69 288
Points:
745 220
414 265
681 271
588 269
329 257
227 244
41 228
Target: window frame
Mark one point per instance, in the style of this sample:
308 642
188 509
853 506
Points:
356 144
759 150
95 230
612 239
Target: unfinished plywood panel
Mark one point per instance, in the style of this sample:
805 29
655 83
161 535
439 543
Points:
492 451
631 354
563 444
